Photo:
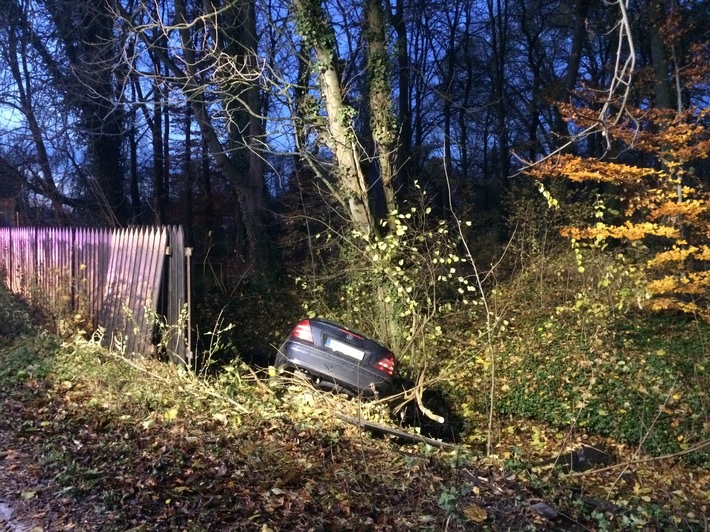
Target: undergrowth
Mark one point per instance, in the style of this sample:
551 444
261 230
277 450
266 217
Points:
582 355
163 445
136 442
622 385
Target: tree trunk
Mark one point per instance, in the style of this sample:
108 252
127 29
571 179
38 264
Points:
314 26
157 138
575 57
189 176
498 18
663 91
165 92
382 122
23 84
87 31
133 157
404 148
239 160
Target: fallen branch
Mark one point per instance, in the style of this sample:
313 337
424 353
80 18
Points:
204 388
698 447
384 429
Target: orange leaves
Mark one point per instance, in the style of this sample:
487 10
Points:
662 205
672 284
703 253
581 169
668 303
697 72
675 254
680 254
667 135
629 231
676 141
688 209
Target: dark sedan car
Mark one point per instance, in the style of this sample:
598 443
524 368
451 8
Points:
336 356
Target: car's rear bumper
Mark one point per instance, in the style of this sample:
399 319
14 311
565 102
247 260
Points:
348 373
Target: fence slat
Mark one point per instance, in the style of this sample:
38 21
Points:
5 255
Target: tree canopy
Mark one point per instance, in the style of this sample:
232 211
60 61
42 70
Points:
209 113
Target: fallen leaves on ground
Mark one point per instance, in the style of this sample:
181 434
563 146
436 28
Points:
108 445
104 443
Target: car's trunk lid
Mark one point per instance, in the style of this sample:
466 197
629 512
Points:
345 343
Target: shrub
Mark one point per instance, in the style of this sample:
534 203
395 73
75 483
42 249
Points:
406 287
15 316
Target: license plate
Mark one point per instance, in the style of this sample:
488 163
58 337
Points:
345 349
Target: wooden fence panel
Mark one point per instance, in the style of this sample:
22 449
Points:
130 301
92 252
109 306
121 280
54 275
152 282
23 257
175 295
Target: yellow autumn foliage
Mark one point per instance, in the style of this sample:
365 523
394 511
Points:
703 253
690 210
675 254
691 284
662 204
629 231
585 169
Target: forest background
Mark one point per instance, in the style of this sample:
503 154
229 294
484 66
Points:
512 194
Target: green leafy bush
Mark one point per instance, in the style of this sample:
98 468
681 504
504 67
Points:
14 315
406 288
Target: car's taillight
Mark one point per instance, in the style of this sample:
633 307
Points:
386 364
303 331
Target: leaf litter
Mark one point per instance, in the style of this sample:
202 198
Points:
106 443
